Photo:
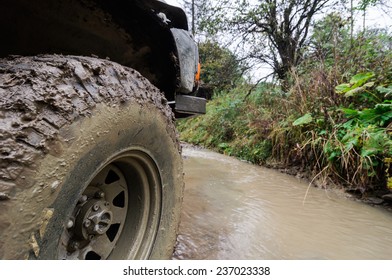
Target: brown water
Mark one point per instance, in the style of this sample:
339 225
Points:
235 210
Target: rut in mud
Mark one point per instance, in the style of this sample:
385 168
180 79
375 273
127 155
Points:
234 210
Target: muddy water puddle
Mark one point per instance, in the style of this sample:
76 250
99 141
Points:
235 210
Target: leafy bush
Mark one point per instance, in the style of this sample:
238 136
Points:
220 68
231 126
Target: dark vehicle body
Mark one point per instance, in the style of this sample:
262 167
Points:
146 35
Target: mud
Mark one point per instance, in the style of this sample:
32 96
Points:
235 210
40 98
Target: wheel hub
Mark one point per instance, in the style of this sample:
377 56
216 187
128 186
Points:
117 214
93 219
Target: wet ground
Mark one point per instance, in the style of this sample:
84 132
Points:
235 210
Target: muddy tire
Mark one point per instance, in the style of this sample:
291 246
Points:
90 162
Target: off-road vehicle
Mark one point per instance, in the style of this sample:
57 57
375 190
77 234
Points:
90 160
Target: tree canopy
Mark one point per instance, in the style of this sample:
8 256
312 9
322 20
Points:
221 70
270 31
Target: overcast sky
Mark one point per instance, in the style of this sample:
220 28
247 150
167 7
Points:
173 2
375 17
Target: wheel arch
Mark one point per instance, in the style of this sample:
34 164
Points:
133 33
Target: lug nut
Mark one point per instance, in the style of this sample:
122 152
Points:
83 198
100 194
74 245
96 207
70 224
87 223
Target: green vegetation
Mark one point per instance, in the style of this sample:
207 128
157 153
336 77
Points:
233 126
331 116
221 69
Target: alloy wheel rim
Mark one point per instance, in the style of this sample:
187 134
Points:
117 215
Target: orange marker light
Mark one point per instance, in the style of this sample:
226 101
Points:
197 77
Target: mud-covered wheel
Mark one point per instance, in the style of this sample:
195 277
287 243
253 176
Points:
90 162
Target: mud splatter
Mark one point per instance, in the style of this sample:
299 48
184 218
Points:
40 97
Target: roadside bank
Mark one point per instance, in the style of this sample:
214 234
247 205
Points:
262 129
